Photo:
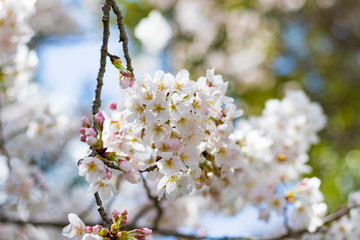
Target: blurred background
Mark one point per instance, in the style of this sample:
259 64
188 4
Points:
261 47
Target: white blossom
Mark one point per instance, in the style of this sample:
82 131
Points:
75 230
92 168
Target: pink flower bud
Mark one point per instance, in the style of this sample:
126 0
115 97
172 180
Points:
97 228
82 130
85 122
115 213
91 140
132 82
133 176
108 174
125 166
112 106
144 231
139 237
123 221
124 82
90 132
83 138
87 229
124 212
99 118
174 143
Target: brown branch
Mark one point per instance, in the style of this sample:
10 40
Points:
101 210
97 100
141 213
149 169
112 164
165 232
55 224
123 37
156 203
106 33
3 150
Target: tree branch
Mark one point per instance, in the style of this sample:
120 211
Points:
101 210
123 37
165 232
106 33
97 100
156 205
3 150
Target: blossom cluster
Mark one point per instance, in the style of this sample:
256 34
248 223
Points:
181 133
178 127
274 146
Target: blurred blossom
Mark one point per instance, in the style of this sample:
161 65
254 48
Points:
325 3
154 32
52 18
285 5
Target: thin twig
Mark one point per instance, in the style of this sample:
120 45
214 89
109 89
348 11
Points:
141 213
97 100
156 205
3 149
101 210
106 33
112 164
338 214
123 37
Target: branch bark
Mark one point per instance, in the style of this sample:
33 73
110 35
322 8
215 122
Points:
97 100
123 37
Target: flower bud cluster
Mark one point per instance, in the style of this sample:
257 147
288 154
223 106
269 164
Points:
77 229
94 168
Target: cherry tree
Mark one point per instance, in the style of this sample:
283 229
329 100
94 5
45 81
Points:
182 145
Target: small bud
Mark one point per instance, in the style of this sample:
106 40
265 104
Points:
108 174
115 213
103 232
124 82
90 132
133 176
91 140
115 60
112 106
88 229
97 228
144 231
126 79
99 118
85 122
83 130
124 212
139 237
132 82
125 166
83 138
